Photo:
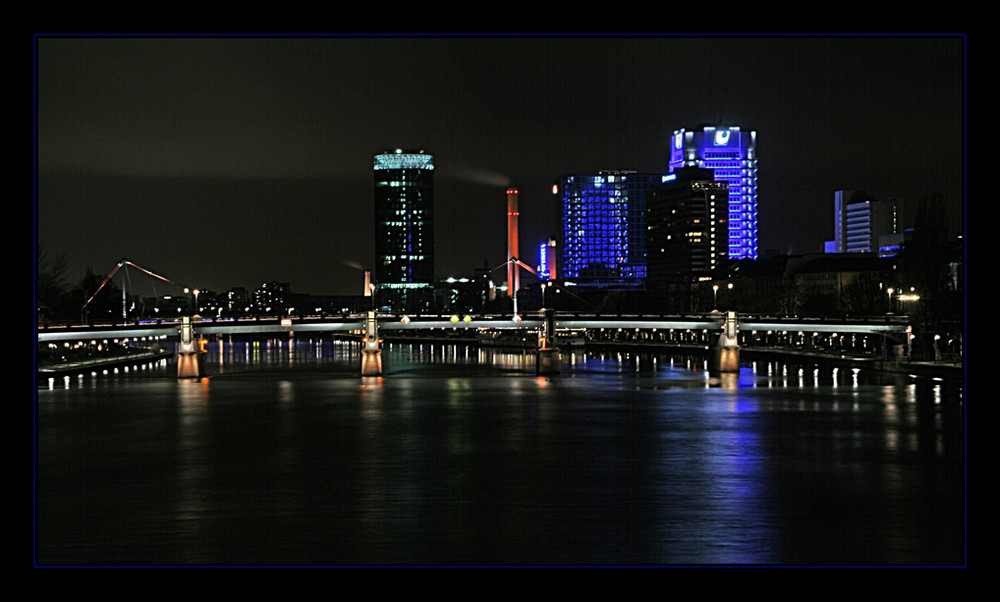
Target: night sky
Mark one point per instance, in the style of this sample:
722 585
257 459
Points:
227 161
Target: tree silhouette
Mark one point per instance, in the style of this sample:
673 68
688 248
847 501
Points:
51 300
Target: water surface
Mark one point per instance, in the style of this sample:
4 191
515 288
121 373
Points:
284 455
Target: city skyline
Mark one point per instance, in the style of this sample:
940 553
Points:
223 161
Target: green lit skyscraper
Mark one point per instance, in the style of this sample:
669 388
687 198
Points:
404 229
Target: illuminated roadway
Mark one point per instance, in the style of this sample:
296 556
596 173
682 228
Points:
391 324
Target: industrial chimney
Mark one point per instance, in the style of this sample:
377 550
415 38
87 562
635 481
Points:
513 277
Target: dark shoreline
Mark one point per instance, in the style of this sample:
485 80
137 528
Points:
947 370
62 369
944 370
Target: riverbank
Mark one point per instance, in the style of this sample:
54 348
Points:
941 369
54 369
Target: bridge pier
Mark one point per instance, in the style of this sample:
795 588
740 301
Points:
725 356
371 355
190 355
548 359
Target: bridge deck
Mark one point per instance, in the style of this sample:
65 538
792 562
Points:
395 324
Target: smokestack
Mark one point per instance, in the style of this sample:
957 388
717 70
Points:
513 276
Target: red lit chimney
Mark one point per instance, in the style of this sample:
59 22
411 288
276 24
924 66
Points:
513 277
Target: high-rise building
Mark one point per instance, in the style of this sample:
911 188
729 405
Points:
687 226
547 260
604 228
731 153
859 220
404 230
272 298
237 301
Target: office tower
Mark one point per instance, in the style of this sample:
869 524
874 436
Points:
687 226
404 230
237 301
272 298
859 220
604 223
547 260
731 153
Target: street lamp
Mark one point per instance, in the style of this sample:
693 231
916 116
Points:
195 291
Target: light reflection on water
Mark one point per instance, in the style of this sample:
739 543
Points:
460 455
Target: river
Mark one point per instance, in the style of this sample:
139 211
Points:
459 456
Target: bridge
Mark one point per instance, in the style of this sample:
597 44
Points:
711 330
400 324
721 332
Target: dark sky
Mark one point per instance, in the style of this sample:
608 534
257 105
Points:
226 161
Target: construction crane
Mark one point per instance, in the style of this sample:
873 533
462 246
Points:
123 263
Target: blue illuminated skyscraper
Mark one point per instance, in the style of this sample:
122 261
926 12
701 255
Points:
732 155
404 229
604 223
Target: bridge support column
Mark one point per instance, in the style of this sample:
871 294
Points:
190 355
725 355
548 358
371 355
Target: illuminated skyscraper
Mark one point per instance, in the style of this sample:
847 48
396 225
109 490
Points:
604 223
547 260
686 225
859 221
731 153
404 229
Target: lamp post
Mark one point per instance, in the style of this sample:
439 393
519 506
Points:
195 292
545 285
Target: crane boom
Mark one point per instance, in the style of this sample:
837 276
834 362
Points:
121 264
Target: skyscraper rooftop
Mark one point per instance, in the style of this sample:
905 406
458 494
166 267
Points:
404 229
731 153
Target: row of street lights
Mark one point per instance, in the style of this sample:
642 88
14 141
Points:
904 297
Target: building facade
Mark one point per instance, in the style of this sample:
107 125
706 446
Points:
604 224
860 220
731 154
547 260
404 230
272 298
687 226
